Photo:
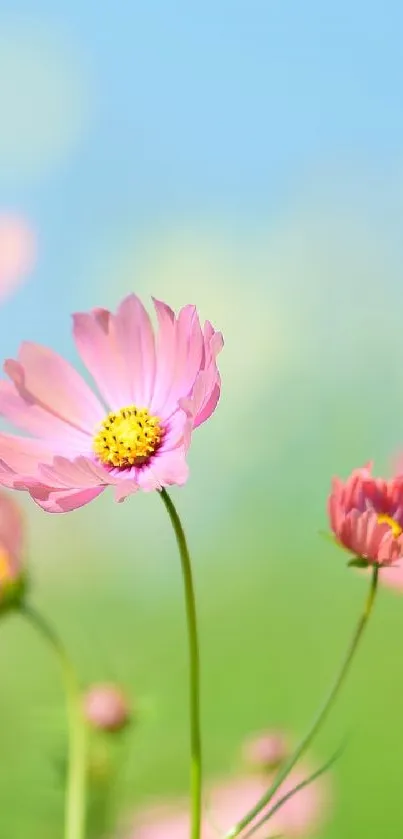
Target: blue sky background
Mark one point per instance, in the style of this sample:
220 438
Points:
186 112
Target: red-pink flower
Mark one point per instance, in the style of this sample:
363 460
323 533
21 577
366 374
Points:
366 516
229 800
155 389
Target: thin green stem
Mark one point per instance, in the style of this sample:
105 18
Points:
77 770
319 719
290 794
194 668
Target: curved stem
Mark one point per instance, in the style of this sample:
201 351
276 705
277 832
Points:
76 779
319 719
194 697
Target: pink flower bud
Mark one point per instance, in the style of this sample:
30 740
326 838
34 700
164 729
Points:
266 751
106 707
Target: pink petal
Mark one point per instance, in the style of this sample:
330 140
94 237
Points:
28 416
179 357
205 393
166 469
390 549
175 431
189 355
23 455
209 406
125 488
11 525
95 338
43 377
63 501
8 478
135 342
81 472
165 353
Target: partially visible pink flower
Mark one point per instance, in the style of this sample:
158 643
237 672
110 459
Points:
228 801
265 751
392 577
366 516
155 389
17 252
106 707
11 547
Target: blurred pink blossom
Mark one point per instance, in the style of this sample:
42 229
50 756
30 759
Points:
157 389
11 547
17 252
392 577
229 800
366 516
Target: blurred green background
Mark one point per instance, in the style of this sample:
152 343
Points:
246 157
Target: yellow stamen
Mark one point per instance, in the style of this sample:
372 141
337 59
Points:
128 437
394 525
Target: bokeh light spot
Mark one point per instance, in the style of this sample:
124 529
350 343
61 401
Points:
18 251
43 99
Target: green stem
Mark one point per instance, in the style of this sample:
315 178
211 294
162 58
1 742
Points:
194 668
77 770
319 719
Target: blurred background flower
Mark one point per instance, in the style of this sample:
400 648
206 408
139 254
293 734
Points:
12 537
17 252
229 799
247 157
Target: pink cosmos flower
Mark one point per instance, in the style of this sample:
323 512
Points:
11 546
155 389
366 516
106 707
229 800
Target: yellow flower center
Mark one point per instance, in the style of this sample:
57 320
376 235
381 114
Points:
394 525
128 437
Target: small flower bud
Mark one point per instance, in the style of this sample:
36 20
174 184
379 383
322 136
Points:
266 751
106 707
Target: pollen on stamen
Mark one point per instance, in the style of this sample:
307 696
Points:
128 437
